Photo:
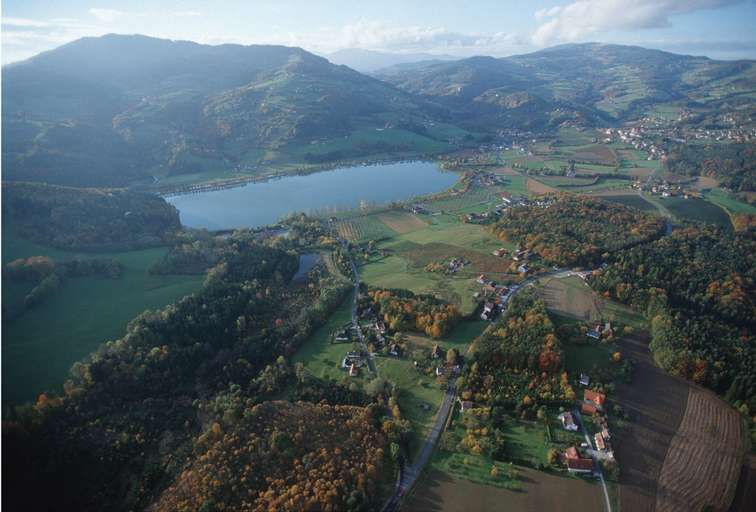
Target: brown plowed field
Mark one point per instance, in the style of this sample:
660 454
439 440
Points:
702 466
540 492
402 222
656 404
539 188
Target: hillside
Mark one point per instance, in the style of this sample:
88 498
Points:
76 116
587 82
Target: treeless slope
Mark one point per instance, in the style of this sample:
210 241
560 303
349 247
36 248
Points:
702 464
402 222
656 403
539 188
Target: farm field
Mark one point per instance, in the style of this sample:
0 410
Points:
655 403
363 228
401 222
698 210
539 491
39 347
573 298
702 465
728 201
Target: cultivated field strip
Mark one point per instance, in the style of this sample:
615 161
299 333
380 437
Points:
701 467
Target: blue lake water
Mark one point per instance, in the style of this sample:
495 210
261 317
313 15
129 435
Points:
260 204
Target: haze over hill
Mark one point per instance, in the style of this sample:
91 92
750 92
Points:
76 116
369 61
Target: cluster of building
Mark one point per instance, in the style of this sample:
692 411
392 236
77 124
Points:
637 138
352 362
580 460
495 296
443 367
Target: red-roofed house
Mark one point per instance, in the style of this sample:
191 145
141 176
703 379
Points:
588 408
571 453
597 399
579 465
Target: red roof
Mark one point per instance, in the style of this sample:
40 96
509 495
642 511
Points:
588 408
585 464
596 398
571 453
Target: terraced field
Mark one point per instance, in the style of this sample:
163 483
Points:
702 464
401 222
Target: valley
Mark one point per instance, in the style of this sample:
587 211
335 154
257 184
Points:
257 280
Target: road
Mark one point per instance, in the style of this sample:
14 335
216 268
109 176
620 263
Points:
411 472
596 463
355 323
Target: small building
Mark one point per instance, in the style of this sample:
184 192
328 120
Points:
481 279
594 397
465 405
585 380
588 408
568 422
394 350
600 444
353 371
592 333
437 352
523 269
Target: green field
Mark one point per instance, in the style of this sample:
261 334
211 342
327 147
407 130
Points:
728 201
39 347
698 210
321 357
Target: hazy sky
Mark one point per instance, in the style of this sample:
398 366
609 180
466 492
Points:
717 28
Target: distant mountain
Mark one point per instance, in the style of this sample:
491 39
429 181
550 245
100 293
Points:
369 61
589 83
117 109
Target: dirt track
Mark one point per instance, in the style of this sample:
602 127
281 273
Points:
656 403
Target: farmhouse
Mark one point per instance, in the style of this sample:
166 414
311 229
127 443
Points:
352 359
568 422
588 408
600 444
576 463
353 371
488 311
594 397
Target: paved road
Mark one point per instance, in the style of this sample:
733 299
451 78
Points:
355 323
411 472
596 464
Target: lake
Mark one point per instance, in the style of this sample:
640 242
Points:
263 203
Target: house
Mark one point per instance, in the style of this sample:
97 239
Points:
437 352
608 329
523 269
588 408
394 350
353 371
439 371
568 422
585 380
481 279
580 465
592 333
499 252
600 444
605 433
594 397
488 310
465 405
576 463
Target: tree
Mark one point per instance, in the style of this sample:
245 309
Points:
375 387
617 357
451 356
494 472
552 456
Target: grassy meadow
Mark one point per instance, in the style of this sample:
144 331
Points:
39 347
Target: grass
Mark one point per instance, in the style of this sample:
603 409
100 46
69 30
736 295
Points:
40 346
582 358
728 201
416 390
321 357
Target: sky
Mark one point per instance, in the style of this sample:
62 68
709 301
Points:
721 29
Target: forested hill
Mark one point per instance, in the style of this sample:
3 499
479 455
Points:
585 83
77 116
88 219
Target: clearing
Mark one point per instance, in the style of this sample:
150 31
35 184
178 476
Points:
40 346
401 222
